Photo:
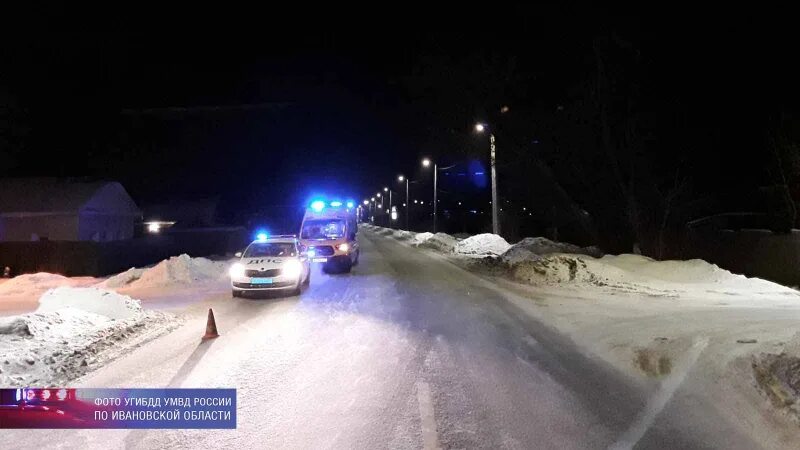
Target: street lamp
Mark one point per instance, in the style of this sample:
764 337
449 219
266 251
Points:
426 163
401 178
480 128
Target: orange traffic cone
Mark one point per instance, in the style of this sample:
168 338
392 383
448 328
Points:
211 326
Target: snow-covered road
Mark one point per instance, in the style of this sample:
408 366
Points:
408 351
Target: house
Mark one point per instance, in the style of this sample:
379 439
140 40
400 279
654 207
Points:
33 209
181 213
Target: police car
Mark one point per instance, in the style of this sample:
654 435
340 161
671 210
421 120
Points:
270 263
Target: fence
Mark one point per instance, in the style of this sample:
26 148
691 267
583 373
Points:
80 258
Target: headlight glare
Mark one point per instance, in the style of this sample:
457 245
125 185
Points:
292 268
236 270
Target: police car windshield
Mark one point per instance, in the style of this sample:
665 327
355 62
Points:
323 229
270 249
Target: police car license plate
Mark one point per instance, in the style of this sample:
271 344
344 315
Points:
320 259
261 281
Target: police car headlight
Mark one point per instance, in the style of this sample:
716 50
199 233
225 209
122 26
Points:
236 271
344 247
292 268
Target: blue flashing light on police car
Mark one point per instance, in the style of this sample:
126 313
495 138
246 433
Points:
262 236
317 205
350 205
336 204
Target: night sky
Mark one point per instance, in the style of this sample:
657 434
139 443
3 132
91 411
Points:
270 115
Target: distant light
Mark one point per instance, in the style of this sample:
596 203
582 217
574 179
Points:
421 202
415 201
373 199
459 203
504 109
153 227
478 173
262 237
317 205
524 208
404 204
387 211
386 189
350 204
426 162
366 202
378 195
394 215
336 204
400 178
480 127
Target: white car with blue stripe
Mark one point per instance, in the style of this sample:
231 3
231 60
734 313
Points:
270 264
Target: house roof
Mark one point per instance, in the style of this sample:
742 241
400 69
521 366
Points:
60 196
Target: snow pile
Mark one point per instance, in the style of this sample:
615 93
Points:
639 274
93 300
482 244
442 242
34 283
384 231
74 330
529 248
177 270
421 238
404 235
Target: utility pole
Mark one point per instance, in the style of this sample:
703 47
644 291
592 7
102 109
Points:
495 206
434 197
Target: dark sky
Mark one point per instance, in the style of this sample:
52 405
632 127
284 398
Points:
346 103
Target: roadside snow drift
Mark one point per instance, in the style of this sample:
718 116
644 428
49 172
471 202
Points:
75 330
527 248
36 283
178 270
639 274
442 242
482 244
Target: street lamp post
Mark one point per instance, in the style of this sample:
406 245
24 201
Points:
408 204
426 163
480 128
386 189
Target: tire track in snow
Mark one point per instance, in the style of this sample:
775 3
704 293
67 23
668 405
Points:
658 401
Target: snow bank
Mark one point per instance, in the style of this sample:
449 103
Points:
404 235
529 248
177 270
639 274
93 300
482 244
442 242
34 283
73 331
